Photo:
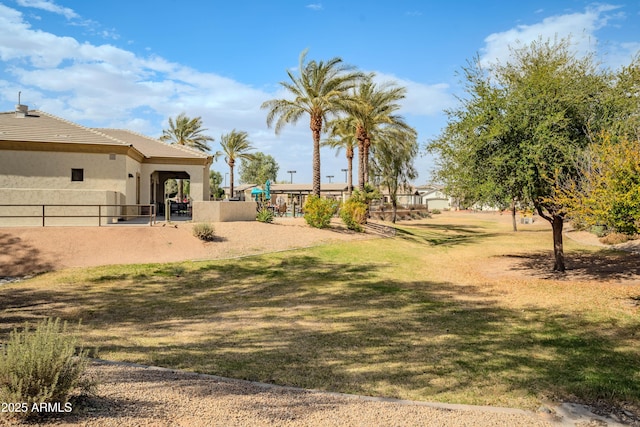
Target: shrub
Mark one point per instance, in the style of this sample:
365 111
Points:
599 230
435 211
40 367
265 215
204 231
615 238
318 211
354 215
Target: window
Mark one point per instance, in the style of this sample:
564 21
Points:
77 174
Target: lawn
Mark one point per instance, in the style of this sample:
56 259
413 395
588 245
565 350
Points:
456 308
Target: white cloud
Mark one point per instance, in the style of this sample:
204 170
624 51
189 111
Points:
421 99
580 27
315 6
49 6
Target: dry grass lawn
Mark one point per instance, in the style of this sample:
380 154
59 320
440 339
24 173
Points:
456 308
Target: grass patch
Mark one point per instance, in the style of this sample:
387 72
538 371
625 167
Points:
453 309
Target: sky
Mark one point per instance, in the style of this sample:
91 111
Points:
133 64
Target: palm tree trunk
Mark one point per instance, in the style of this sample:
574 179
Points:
350 174
360 136
231 164
180 193
316 128
365 157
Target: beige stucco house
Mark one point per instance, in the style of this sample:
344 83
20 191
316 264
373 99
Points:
46 160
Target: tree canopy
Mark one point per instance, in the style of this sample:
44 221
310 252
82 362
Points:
520 129
258 169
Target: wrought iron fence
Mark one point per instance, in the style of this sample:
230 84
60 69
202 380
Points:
101 212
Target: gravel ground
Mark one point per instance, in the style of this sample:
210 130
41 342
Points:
137 396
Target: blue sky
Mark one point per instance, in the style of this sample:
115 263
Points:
132 64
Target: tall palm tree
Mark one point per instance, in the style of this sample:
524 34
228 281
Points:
372 108
342 135
394 153
235 145
319 91
187 132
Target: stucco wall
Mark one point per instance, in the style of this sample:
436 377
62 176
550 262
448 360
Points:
52 170
39 197
217 211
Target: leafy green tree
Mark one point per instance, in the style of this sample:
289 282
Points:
533 115
393 161
319 91
215 184
477 162
235 145
258 169
607 192
186 132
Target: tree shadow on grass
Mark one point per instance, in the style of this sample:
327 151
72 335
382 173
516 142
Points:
444 234
19 258
309 322
604 264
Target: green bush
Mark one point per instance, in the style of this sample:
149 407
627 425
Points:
204 231
40 367
435 211
318 211
354 214
265 215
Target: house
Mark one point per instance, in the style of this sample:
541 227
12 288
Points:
434 197
46 160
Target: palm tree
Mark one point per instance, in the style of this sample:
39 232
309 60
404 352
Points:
319 90
394 153
371 109
342 135
187 132
235 145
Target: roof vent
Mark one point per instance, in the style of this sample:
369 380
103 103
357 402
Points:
22 111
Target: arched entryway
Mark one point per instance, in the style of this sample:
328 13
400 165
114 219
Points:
159 194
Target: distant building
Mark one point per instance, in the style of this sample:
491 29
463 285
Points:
46 160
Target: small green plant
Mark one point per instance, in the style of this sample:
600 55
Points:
265 215
354 214
40 367
318 211
435 211
204 231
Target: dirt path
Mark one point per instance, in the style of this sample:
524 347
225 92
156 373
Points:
29 250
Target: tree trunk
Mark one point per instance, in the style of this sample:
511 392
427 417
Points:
513 215
316 128
367 144
180 192
558 250
350 174
361 166
557 222
394 204
231 164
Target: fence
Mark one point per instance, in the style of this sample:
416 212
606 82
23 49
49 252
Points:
101 212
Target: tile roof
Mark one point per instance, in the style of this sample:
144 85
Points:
152 147
38 126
